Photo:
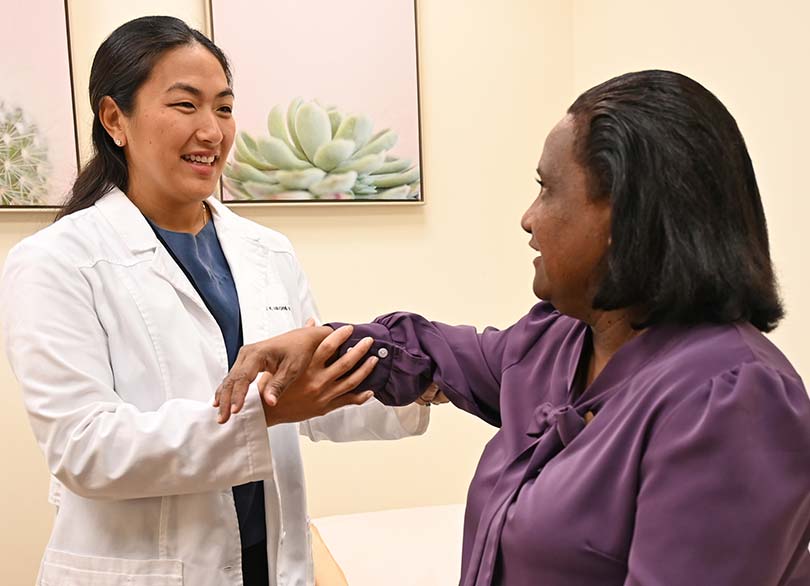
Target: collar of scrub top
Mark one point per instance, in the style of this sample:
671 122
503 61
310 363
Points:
242 242
130 223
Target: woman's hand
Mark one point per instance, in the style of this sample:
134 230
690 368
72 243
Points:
297 361
266 377
321 388
286 356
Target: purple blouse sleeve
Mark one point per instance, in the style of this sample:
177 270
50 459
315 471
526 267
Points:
719 490
413 352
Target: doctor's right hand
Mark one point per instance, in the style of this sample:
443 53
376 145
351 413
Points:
296 362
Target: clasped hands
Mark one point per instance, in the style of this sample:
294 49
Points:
298 381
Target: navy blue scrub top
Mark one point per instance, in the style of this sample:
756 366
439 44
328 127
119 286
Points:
205 265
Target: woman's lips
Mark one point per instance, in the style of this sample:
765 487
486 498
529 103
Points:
203 169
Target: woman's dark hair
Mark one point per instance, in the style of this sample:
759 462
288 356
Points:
122 64
689 241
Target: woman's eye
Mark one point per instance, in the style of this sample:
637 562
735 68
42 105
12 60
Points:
543 189
226 109
187 105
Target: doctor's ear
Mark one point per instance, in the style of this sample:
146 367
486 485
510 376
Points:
113 120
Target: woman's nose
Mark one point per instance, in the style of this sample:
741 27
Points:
209 130
526 220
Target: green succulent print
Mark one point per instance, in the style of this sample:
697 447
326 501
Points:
316 152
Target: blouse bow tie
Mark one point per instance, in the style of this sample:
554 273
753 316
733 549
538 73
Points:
569 422
552 428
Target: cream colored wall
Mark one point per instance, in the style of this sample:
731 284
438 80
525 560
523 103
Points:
26 516
754 57
493 82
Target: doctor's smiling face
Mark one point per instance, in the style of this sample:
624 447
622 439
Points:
180 130
569 225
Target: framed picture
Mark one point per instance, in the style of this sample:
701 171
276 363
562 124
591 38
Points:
38 145
327 100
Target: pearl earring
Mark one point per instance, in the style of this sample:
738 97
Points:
119 142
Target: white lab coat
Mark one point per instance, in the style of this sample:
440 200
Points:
118 359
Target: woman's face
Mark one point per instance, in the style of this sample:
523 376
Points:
181 128
569 228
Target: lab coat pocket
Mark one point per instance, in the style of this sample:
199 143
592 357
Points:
60 568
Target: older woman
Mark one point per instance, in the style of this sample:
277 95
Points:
650 434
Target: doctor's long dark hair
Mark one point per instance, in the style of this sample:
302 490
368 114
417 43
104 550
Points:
122 64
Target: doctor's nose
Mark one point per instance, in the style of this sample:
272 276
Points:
209 130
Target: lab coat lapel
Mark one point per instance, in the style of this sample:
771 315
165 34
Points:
247 258
140 239
167 268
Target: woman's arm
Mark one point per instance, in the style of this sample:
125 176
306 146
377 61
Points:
369 421
413 352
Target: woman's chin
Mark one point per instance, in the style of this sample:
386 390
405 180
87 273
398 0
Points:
541 290
200 189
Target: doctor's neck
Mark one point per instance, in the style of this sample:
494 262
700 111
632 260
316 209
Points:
188 216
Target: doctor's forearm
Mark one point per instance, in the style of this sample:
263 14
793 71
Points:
117 452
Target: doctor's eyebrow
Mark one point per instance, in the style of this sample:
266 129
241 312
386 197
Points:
195 91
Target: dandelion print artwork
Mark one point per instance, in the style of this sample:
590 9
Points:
38 151
23 160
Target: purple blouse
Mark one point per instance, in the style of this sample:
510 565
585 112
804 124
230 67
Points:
694 471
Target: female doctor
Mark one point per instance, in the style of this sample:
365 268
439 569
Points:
121 318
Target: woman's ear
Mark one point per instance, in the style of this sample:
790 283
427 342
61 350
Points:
113 120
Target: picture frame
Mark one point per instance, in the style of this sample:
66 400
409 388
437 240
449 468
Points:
327 101
39 149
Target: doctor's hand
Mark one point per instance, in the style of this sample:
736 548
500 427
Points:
321 388
286 356
301 372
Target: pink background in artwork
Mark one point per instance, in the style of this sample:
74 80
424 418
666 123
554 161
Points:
35 75
358 55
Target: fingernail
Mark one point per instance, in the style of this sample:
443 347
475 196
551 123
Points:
367 340
374 360
234 408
